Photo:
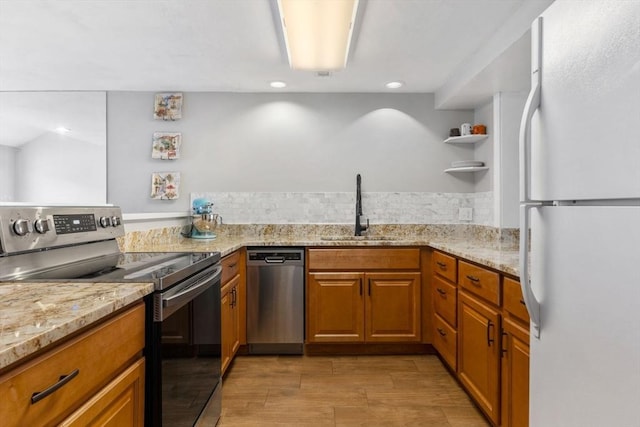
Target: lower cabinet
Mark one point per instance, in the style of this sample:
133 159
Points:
230 322
95 378
515 374
233 305
363 307
120 403
479 353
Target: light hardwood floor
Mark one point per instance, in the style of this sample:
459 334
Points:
344 391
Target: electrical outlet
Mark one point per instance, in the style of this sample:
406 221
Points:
465 214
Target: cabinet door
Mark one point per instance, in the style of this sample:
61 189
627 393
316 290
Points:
515 375
392 308
479 353
120 403
335 308
235 315
226 325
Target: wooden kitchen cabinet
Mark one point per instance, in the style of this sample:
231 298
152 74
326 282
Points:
444 294
230 322
233 306
114 386
121 403
335 309
515 374
479 352
515 357
377 302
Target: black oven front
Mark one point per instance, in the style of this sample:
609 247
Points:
183 381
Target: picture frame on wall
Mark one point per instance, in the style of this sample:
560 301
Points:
168 106
165 185
166 145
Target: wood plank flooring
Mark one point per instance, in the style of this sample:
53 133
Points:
345 391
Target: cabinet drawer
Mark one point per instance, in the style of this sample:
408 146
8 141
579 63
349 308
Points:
363 259
230 266
480 281
445 266
513 301
445 340
444 300
97 356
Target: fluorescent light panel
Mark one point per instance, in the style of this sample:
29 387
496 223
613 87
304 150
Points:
317 33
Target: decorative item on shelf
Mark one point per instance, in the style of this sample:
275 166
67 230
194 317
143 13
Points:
203 220
465 129
168 106
165 185
479 130
166 145
454 132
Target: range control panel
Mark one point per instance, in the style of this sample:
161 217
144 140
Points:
30 228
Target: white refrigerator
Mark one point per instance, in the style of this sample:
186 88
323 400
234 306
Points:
580 201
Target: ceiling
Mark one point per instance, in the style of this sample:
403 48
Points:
236 45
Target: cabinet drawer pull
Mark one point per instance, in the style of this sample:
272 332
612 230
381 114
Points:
442 291
523 303
473 279
503 350
490 339
64 379
442 332
442 265
232 265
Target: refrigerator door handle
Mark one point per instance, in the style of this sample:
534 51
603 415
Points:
530 107
532 304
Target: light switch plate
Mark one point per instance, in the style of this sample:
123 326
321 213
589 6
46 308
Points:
465 214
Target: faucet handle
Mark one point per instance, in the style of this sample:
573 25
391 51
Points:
362 226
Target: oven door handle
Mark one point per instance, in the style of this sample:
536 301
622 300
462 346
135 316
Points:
191 291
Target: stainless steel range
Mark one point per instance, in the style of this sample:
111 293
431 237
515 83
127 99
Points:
183 347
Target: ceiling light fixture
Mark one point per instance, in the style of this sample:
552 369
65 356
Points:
317 33
394 85
277 84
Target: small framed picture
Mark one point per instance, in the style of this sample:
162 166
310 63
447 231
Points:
166 145
165 185
168 106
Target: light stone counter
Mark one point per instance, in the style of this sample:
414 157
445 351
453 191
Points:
481 245
34 315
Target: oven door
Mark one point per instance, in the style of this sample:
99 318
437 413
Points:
184 352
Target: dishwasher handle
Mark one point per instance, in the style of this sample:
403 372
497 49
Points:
274 259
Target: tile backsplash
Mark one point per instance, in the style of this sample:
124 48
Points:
339 207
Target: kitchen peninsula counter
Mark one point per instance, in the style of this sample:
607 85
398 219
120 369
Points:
34 315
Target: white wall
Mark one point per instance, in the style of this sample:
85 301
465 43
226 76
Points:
507 107
239 142
484 149
64 175
7 173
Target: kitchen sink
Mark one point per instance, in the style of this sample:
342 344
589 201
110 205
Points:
357 238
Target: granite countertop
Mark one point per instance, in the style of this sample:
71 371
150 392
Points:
503 258
33 316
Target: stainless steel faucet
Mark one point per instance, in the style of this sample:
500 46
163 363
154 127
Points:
360 218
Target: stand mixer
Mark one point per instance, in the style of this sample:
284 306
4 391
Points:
203 220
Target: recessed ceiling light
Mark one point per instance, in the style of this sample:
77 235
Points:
394 85
278 84
62 129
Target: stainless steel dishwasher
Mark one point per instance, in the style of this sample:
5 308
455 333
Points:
275 300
